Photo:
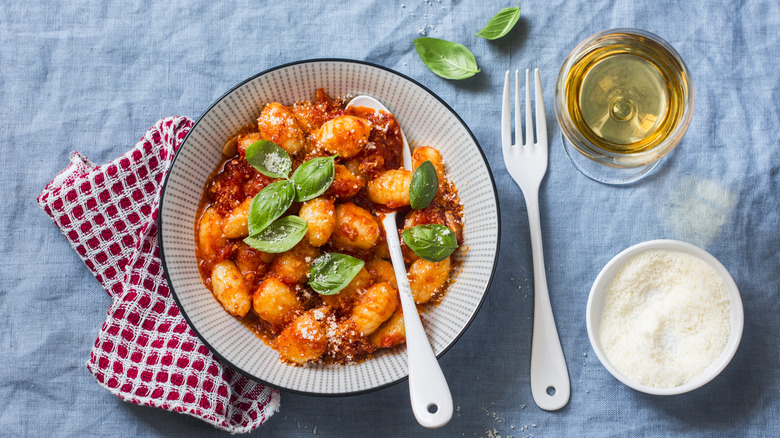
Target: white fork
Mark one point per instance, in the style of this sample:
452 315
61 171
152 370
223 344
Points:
527 164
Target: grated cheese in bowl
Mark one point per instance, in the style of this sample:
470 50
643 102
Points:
664 317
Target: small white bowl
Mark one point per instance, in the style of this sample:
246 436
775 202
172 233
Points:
595 309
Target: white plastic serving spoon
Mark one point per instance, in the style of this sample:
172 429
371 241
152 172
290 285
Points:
428 390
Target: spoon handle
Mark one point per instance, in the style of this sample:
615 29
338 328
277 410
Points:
428 389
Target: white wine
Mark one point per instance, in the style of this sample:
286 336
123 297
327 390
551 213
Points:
624 99
626 94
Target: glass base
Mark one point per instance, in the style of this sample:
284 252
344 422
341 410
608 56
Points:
603 173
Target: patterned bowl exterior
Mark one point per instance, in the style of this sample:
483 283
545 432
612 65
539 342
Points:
425 120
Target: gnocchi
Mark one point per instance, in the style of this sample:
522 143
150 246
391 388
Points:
274 302
278 124
292 266
236 224
391 188
391 333
345 135
244 141
374 307
321 216
345 184
356 228
228 285
426 278
302 340
271 292
210 236
383 271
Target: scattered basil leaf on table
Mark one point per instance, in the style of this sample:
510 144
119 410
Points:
280 236
500 24
313 177
332 272
269 159
270 204
424 185
446 59
432 242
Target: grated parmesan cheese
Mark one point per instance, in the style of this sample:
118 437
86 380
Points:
666 318
274 162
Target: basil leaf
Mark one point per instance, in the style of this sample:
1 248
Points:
332 272
500 24
313 177
425 183
446 59
269 159
432 242
280 236
269 205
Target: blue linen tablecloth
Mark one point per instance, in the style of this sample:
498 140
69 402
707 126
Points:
93 76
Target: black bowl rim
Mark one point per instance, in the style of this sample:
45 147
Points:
162 252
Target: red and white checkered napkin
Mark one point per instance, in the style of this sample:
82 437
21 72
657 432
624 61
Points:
145 353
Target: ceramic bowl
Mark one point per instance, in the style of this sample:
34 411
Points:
595 309
425 120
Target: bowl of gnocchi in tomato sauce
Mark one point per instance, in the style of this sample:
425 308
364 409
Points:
270 225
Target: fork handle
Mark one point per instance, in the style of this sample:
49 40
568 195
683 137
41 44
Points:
549 375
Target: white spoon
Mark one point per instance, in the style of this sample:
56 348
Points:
428 390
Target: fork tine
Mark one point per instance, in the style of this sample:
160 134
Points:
506 121
541 122
518 124
529 123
